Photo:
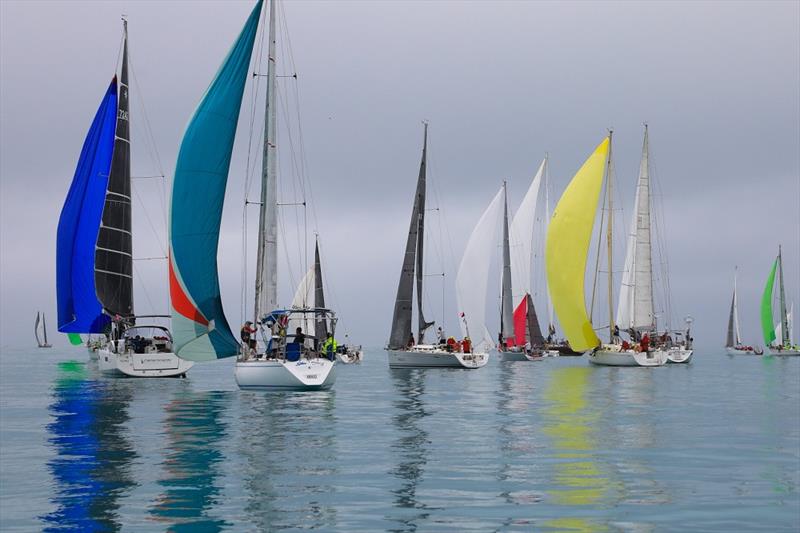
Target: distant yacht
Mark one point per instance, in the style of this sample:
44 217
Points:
41 342
733 342
777 338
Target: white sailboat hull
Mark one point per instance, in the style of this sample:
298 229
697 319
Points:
349 358
314 374
612 356
736 351
429 356
144 365
679 355
784 351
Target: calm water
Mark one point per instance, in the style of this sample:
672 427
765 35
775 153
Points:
555 445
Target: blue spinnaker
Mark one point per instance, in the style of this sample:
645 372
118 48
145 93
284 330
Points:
200 329
79 310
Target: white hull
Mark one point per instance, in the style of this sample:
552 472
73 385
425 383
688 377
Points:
144 365
314 374
679 355
613 356
349 358
735 351
785 351
429 356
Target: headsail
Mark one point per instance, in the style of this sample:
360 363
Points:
473 275
401 318
303 299
767 323
521 237
79 310
567 248
319 295
200 329
113 266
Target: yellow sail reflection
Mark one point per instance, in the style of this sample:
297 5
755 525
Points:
569 424
567 248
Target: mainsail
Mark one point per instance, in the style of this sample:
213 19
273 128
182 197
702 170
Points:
567 248
635 308
734 337
200 329
412 261
473 275
113 262
266 290
767 323
79 310
506 298
319 295
36 331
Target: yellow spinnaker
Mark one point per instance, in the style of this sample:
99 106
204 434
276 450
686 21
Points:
567 248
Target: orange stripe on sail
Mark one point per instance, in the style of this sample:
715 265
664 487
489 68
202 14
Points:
180 302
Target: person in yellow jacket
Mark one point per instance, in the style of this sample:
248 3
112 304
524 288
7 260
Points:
329 347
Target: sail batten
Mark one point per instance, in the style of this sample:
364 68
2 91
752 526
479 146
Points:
200 329
567 247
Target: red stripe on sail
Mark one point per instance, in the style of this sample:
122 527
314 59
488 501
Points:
520 323
180 302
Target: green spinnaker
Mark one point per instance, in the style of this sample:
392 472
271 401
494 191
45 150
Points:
767 325
74 339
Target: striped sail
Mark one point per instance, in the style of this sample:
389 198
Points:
79 310
567 248
200 329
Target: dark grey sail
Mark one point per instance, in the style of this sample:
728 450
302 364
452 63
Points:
320 327
534 332
36 331
506 297
422 323
401 319
785 340
730 342
113 269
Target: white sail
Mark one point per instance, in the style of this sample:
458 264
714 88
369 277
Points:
789 324
521 236
473 275
550 313
304 298
635 308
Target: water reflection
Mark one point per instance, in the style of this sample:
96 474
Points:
289 455
195 428
410 448
91 469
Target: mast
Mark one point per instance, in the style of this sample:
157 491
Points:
782 296
266 291
506 303
609 233
113 269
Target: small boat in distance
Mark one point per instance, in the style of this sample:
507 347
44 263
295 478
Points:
404 351
39 340
733 342
777 338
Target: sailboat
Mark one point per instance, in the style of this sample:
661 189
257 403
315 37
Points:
566 253
283 359
733 342
43 322
94 263
521 335
777 338
403 350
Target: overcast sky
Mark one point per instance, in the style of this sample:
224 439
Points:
501 84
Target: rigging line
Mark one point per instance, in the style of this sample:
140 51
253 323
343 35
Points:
149 221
